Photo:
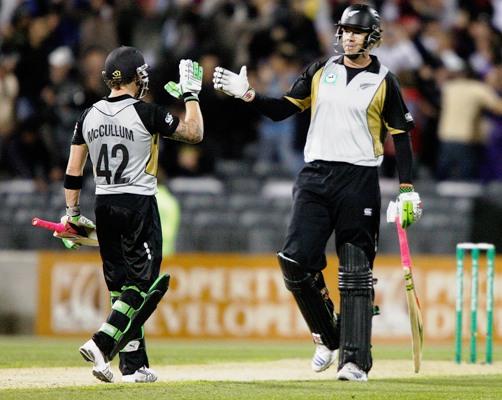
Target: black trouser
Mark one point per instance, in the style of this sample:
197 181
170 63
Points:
333 196
345 198
130 239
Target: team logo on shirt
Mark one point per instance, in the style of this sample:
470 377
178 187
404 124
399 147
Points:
169 119
408 117
368 212
330 78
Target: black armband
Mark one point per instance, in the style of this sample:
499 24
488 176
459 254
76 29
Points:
73 182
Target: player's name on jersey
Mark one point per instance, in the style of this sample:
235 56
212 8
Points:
110 130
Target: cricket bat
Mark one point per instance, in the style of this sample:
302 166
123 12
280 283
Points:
414 311
77 234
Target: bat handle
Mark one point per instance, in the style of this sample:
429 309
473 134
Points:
53 226
403 244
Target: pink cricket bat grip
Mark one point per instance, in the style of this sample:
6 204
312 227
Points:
52 226
403 245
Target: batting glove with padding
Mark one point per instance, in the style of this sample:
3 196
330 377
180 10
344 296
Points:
232 84
409 208
190 83
73 219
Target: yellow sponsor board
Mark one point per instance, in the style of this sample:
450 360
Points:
243 296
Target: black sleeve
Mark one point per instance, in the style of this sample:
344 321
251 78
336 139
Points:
296 99
404 157
275 109
157 119
395 113
78 136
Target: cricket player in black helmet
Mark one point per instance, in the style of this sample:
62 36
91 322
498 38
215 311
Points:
121 135
355 102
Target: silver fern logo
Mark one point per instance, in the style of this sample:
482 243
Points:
330 78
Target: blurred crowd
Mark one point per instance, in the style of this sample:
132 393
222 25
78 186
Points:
447 55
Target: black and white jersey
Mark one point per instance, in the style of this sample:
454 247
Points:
122 135
352 111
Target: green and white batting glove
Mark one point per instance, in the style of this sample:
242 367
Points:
409 206
232 84
190 83
74 217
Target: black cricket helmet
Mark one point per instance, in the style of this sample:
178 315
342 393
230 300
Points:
125 65
364 18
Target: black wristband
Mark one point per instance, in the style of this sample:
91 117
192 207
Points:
73 182
190 97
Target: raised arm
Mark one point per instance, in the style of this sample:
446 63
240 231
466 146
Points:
191 129
297 99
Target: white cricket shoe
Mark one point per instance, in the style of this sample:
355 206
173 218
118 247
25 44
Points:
101 370
323 358
351 372
142 375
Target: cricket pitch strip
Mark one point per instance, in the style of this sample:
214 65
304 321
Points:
281 370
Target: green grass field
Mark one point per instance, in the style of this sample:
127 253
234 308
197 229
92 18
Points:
59 358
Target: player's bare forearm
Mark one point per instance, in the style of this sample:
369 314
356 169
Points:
191 130
72 197
77 159
75 167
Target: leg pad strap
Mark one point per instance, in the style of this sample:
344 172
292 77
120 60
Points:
148 306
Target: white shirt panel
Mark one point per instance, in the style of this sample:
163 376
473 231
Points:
120 147
339 126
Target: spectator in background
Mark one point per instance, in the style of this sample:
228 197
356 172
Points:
397 50
178 32
287 23
492 164
32 69
217 140
28 156
9 89
62 99
460 132
487 47
497 15
149 18
426 82
98 29
319 12
276 139
91 65
191 161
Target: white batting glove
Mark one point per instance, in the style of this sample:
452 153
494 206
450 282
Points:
232 84
190 77
190 83
409 208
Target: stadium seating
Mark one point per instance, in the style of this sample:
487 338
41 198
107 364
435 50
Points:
238 211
